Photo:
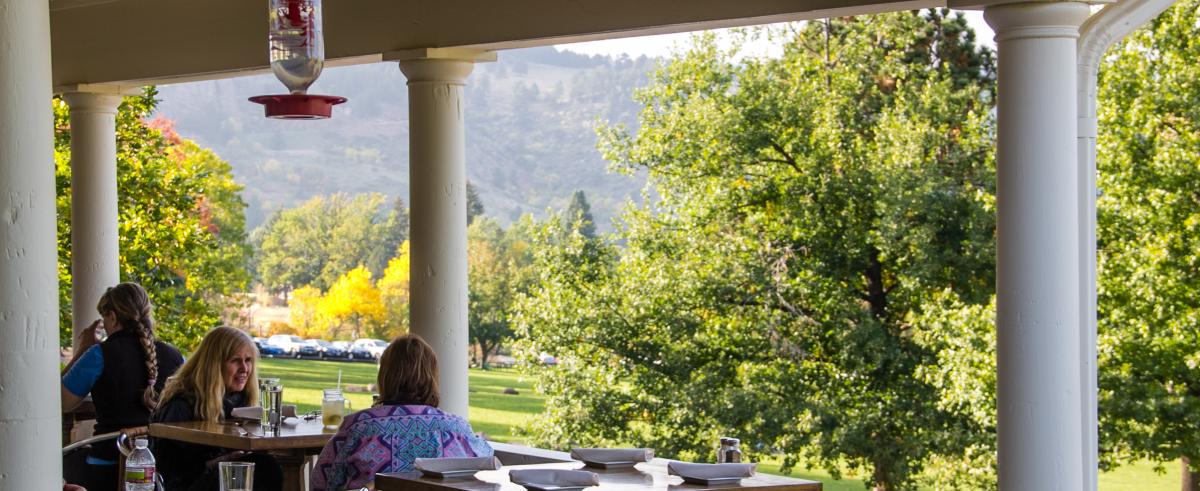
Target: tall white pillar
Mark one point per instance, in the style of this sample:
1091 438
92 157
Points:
1038 311
30 422
438 200
94 256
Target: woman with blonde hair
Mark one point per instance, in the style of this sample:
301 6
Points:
124 373
405 425
220 376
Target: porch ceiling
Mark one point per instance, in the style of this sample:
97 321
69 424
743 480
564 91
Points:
163 41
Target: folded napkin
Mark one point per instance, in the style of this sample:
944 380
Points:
612 454
710 471
451 464
248 412
553 477
291 421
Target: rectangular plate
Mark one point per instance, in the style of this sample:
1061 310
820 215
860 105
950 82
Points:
449 474
711 481
551 487
610 465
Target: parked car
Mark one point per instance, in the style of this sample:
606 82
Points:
290 344
309 348
373 346
266 349
329 350
356 351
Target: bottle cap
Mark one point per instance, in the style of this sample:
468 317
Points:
141 442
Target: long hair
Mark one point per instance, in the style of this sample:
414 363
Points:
130 304
408 373
202 375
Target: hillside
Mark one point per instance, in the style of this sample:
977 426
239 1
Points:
530 133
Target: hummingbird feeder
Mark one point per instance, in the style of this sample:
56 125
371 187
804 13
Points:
297 51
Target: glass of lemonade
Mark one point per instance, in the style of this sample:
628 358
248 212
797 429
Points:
333 408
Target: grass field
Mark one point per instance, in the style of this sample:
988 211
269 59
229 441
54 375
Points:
497 414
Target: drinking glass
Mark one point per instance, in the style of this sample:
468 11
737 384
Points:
333 408
237 476
271 393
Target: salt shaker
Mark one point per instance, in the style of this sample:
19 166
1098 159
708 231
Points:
723 450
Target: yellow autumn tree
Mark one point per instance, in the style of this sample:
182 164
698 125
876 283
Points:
303 311
393 289
352 304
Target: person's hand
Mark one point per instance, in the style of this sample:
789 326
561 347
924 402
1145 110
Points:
88 338
212 464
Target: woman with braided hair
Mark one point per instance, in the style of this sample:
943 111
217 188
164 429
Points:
124 373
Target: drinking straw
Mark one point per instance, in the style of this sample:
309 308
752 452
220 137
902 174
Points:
339 379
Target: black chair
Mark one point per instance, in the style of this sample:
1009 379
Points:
75 456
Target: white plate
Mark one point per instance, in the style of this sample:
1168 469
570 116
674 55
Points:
551 487
610 465
711 480
450 474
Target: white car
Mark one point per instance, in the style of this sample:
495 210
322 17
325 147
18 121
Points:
290 344
373 346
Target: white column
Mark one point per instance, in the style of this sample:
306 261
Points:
438 221
30 422
1038 317
94 256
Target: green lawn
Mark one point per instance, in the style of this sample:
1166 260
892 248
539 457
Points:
497 414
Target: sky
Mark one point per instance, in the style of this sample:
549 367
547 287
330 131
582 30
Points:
661 45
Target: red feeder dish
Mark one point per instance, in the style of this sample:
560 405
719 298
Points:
298 106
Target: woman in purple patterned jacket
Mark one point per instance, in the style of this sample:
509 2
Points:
405 425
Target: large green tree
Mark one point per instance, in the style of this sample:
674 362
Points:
1149 232
180 222
499 270
808 209
322 239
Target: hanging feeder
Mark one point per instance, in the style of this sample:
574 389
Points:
297 51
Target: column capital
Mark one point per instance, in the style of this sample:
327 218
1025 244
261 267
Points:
96 101
1036 19
444 65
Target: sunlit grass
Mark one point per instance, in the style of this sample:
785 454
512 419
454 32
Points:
498 415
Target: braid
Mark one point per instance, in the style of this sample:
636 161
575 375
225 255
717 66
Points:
146 335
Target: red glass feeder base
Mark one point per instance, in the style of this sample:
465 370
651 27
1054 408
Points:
298 106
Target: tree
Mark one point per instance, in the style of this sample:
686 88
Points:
809 208
353 301
474 204
304 312
1149 245
578 215
394 231
394 292
320 240
496 269
181 230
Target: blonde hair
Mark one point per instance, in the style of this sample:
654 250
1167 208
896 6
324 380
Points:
202 376
408 373
130 304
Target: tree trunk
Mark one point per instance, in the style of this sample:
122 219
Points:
876 292
483 354
1191 478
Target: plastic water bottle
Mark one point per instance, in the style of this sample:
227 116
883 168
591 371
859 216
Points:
139 467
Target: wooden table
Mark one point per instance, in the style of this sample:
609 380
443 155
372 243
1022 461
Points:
291 447
645 476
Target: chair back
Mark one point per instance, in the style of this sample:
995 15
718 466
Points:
75 456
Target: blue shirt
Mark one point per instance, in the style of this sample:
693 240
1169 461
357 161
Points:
84 373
